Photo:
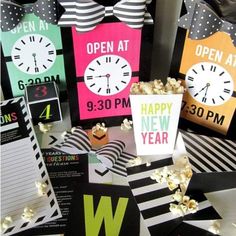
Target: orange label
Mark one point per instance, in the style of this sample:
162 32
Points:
218 50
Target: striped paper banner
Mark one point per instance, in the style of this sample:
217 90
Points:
210 154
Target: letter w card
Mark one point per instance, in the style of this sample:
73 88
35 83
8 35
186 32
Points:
107 60
103 210
205 59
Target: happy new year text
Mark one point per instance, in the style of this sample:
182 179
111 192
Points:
155 119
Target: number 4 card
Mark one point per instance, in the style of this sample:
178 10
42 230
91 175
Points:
43 103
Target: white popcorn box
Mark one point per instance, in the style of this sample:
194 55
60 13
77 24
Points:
155 122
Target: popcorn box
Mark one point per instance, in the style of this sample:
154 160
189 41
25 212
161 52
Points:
155 121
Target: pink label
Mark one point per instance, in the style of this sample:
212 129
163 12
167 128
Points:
109 38
109 54
94 106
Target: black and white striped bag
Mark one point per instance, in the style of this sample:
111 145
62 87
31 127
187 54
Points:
154 200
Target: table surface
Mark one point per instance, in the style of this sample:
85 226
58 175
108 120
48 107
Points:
223 201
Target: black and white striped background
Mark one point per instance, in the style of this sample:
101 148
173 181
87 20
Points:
210 154
153 200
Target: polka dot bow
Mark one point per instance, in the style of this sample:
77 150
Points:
12 13
202 22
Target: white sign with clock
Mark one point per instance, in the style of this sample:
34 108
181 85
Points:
33 54
209 83
107 75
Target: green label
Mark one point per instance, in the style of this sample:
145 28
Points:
33 54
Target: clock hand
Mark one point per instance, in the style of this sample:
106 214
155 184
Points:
108 81
208 85
203 88
36 69
100 76
204 99
35 61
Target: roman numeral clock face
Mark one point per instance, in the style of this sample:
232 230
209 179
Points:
107 75
33 54
209 83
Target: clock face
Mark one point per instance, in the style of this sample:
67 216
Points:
209 83
33 54
107 75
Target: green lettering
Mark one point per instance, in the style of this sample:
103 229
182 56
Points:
164 122
145 124
93 221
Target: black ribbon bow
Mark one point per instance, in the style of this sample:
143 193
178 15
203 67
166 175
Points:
202 21
111 155
12 13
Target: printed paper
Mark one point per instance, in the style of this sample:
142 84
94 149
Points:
21 165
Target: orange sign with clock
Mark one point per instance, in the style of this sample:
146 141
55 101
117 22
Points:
209 67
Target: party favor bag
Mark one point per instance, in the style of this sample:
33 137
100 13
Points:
205 58
31 44
111 43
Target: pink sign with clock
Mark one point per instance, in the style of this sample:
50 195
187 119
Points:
107 63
